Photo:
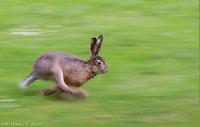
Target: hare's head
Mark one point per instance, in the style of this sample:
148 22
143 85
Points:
98 64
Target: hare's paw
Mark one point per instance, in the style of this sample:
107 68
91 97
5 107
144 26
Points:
66 95
74 95
80 94
47 92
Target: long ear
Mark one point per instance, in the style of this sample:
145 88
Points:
98 44
93 46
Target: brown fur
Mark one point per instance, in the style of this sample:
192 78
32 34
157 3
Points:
68 71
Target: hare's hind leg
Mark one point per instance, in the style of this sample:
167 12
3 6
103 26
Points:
32 77
59 78
51 91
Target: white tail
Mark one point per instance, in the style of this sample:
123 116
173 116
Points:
28 81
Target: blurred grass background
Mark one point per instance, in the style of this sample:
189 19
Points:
151 47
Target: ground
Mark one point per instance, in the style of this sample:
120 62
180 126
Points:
150 46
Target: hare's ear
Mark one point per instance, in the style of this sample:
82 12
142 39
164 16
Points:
93 46
99 43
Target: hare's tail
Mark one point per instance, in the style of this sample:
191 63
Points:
28 81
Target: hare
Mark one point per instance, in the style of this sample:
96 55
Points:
68 72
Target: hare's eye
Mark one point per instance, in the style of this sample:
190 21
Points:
98 62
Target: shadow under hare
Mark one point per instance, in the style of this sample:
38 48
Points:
68 72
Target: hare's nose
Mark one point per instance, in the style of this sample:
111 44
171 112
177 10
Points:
105 70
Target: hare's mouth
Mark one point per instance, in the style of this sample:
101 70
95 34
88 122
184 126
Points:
104 71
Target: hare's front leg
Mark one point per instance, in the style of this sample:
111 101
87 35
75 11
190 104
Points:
78 94
51 91
59 78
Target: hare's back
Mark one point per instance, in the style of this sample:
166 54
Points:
45 62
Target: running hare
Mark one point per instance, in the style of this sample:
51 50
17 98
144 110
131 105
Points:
68 72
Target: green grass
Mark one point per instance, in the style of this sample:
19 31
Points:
151 47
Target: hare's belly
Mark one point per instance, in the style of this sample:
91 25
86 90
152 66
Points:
76 79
